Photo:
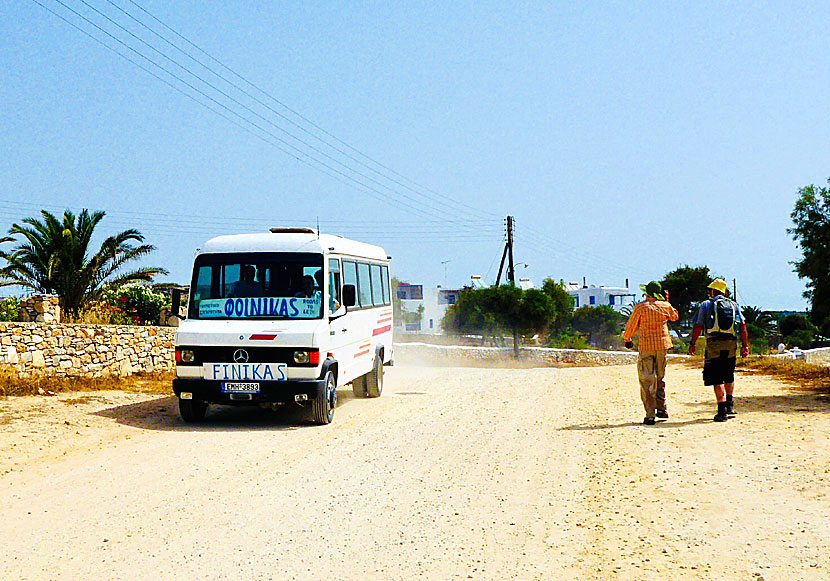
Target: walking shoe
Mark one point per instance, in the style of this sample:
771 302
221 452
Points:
719 417
649 421
663 414
730 410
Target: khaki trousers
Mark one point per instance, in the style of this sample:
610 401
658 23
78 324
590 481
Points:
651 369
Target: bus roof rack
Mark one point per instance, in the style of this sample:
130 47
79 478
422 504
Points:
293 231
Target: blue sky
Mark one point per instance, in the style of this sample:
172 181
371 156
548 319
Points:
626 139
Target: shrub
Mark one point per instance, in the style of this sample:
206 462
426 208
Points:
568 340
141 304
100 313
9 309
802 338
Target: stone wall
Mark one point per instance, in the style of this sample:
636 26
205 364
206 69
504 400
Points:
85 350
820 355
528 356
40 309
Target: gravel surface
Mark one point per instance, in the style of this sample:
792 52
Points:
452 474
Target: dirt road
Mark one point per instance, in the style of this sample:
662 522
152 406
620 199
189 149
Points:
453 473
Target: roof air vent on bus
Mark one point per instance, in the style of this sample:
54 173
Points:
293 231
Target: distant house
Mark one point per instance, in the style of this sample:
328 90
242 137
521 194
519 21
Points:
432 303
615 297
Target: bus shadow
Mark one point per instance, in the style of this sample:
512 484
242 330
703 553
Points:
163 415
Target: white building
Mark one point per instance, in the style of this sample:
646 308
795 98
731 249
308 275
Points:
615 297
434 301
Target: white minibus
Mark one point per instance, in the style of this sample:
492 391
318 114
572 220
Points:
283 317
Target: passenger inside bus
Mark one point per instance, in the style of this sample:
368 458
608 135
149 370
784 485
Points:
307 289
246 286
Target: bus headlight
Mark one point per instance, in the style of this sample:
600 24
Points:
186 356
307 357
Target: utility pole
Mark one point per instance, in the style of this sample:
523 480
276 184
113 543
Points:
734 290
511 276
511 268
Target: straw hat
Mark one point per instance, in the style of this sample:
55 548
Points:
653 289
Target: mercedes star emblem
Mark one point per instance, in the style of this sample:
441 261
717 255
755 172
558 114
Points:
240 356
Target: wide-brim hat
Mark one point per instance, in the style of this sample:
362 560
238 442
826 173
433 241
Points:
719 285
653 289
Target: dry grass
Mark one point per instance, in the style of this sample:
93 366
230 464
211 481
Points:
808 376
12 384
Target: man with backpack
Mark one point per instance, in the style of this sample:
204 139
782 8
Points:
721 319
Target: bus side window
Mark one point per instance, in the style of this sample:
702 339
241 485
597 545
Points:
350 276
386 298
335 300
377 285
364 285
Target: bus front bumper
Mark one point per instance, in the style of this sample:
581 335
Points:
269 391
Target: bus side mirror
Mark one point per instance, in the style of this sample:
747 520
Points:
349 299
177 302
174 316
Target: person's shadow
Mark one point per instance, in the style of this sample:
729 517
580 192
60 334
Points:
788 403
661 424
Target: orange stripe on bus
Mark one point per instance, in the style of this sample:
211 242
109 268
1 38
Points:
382 330
366 352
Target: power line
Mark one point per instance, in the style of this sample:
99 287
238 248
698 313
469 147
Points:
377 194
268 95
295 151
441 200
203 220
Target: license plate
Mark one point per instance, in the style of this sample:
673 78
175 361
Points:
245 372
233 387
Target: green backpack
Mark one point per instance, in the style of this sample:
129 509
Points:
723 316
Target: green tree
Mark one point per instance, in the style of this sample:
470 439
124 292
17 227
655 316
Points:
537 312
496 309
687 287
797 330
602 324
811 217
562 302
53 257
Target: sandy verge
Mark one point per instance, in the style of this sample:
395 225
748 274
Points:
453 473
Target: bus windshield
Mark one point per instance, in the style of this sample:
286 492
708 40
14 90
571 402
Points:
257 286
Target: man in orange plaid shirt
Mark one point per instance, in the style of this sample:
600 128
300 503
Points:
648 320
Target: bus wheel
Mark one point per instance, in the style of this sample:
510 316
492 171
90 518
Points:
359 386
192 410
325 403
374 379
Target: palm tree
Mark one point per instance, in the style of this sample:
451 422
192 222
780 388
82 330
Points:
53 258
760 318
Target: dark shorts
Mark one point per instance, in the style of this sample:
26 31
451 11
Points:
719 365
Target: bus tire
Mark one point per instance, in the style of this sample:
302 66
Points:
359 386
324 404
192 411
374 379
